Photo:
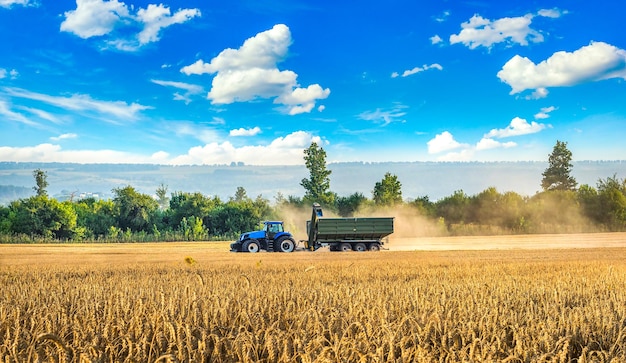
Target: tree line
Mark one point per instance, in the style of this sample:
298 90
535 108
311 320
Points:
561 207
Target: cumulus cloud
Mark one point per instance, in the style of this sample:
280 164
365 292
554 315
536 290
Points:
48 153
385 117
245 132
552 13
435 39
119 110
94 18
12 74
479 31
10 3
251 72
594 62
64 137
281 151
423 68
487 143
545 112
444 142
517 127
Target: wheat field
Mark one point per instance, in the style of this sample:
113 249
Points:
407 306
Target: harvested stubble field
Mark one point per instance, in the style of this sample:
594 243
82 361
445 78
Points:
194 302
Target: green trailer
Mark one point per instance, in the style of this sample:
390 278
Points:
346 234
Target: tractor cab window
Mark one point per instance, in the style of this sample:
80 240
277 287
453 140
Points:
274 227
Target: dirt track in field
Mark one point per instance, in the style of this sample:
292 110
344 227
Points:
515 242
167 253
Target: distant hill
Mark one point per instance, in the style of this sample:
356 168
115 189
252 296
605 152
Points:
432 179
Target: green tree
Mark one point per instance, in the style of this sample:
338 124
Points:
317 187
96 216
347 206
135 211
388 191
41 181
455 208
43 216
612 203
162 197
187 205
557 175
424 206
240 195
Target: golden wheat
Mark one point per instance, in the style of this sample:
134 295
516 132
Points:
324 307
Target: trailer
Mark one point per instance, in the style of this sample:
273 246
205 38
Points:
346 234
337 234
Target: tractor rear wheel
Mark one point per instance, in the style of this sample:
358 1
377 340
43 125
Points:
285 244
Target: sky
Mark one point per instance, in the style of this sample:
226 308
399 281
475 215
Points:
256 81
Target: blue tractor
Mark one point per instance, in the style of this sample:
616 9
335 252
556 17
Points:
273 238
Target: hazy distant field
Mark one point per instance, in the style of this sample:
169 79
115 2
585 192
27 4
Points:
513 298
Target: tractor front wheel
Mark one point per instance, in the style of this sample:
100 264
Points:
251 246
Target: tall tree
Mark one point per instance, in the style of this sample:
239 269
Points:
135 210
317 187
162 198
41 181
240 194
557 175
388 191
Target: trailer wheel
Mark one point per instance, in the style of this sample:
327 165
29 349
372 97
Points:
285 244
251 246
374 247
345 247
360 247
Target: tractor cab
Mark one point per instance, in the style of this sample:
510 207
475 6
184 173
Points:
272 228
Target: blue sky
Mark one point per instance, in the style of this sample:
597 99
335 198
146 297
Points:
207 82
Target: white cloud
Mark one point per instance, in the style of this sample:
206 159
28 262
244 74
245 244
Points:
48 153
251 72
6 111
544 113
120 110
443 142
245 132
423 68
517 127
435 39
282 151
190 89
487 143
204 134
551 13
41 114
9 3
539 93
594 62
64 137
385 117
11 74
479 31
94 18
157 17
443 17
